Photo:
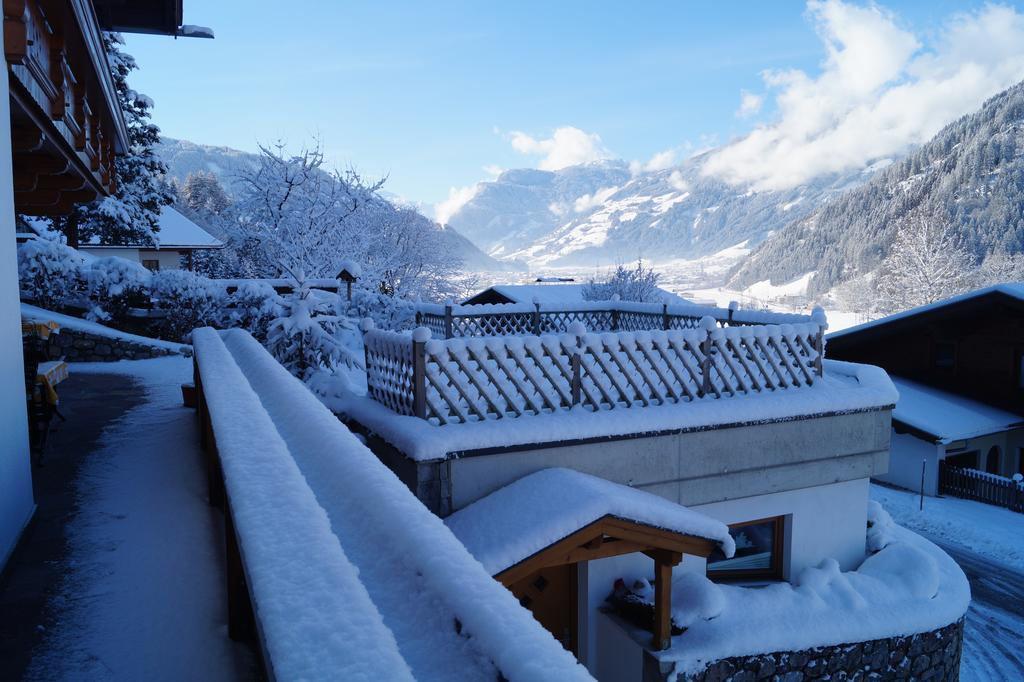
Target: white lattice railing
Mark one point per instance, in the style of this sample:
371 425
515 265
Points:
477 379
517 319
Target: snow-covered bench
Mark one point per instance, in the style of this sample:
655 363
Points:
348 574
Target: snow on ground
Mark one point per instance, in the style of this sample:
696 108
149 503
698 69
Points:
143 598
990 531
985 541
766 290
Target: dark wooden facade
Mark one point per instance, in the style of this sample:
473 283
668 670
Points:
66 123
972 346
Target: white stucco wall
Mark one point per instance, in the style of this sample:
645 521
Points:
169 259
16 504
906 454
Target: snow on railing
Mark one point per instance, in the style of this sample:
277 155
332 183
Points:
478 379
517 319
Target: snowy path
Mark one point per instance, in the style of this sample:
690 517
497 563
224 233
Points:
142 596
984 540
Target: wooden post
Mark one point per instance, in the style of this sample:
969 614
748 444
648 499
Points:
536 318
733 305
241 622
348 286
447 320
419 367
709 326
662 603
576 364
665 321
818 316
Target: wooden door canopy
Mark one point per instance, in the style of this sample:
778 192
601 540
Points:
607 537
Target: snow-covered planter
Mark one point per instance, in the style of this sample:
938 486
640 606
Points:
188 302
114 286
908 598
50 273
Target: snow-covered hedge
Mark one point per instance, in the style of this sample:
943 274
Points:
50 273
189 302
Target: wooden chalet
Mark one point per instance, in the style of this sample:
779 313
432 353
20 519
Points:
959 367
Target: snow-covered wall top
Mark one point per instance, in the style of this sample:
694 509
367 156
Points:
325 482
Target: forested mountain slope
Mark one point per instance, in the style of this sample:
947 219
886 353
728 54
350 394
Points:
970 176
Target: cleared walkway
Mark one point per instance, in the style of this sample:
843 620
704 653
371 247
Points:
121 576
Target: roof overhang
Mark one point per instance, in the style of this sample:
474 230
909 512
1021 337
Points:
156 17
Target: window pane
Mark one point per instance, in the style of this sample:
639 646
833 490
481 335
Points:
754 543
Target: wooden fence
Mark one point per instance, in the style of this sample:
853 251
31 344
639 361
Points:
972 484
463 380
451 321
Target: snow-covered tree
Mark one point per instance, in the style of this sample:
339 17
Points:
132 213
298 213
926 263
202 192
637 284
1001 267
50 274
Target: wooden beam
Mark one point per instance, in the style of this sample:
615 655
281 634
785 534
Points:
543 558
662 606
659 538
41 164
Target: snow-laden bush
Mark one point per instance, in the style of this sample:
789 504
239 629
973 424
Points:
311 336
252 307
387 312
114 286
50 274
639 284
188 301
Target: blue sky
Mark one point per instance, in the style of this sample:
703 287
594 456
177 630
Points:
431 93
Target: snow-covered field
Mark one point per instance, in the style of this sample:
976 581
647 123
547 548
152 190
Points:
142 598
990 531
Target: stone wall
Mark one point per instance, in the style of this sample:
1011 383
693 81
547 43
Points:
926 656
75 345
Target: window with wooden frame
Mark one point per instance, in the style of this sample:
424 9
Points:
151 265
759 550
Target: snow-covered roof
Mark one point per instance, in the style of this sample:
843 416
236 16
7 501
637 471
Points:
176 232
948 416
560 293
517 521
1011 289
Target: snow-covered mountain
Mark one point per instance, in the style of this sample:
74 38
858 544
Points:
970 176
600 213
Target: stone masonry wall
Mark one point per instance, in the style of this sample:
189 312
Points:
75 345
926 656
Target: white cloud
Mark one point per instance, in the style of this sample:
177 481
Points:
750 104
677 181
493 170
457 198
588 202
660 161
879 90
567 146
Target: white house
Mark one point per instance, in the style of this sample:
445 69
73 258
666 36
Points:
178 239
